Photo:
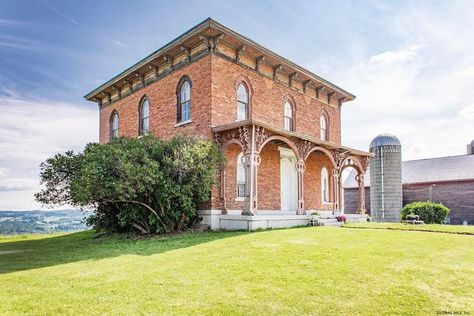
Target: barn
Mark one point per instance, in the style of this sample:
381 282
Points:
447 180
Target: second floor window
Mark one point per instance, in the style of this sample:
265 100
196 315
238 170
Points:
144 112
114 126
184 102
242 102
288 111
323 125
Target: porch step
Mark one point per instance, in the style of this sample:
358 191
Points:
329 222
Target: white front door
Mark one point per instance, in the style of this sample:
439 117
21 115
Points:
288 182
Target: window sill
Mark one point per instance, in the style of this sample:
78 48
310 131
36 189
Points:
326 203
239 199
182 123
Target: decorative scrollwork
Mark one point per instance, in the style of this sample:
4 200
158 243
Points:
261 136
304 147
244 137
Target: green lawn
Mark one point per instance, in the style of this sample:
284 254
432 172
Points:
315 270
452 229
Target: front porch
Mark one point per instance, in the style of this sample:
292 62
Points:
276 178
234 220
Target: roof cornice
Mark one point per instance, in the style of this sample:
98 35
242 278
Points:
212 32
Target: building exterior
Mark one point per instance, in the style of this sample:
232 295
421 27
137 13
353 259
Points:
447 180
278 124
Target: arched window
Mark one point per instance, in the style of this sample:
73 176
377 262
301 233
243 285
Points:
184 101
289 126
114 126
242 102
144 112
324 185
240 177
323 127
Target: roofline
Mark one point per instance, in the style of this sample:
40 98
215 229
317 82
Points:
151 56
210 23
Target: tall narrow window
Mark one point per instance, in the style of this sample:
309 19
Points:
114 126
184 102
289 126
324 185
240 177
144 112
323 125
242 102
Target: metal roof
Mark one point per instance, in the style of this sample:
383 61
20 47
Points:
385 140
439 169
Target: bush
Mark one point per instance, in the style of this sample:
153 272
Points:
141 185
429 212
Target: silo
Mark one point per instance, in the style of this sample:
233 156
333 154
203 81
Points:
386 178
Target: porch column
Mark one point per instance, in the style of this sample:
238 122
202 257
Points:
251 162
300 168
360 181
336 185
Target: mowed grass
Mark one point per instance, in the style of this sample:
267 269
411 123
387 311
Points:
452 229
314 270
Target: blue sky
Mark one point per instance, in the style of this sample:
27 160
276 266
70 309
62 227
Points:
410 64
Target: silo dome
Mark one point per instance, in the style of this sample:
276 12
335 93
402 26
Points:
387 140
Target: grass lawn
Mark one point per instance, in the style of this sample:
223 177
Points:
314 270
452 229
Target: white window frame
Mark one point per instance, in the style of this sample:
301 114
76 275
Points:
144 128
323 127
288 114
242 103
324 185
240 178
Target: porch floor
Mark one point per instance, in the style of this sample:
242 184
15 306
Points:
234 220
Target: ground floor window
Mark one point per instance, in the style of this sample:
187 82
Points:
240 177
324 185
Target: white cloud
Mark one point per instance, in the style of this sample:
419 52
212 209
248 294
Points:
390 57
421 93
32 131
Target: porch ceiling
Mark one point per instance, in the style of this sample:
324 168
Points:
283 132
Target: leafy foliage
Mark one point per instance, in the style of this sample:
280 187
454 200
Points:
429 212
146 184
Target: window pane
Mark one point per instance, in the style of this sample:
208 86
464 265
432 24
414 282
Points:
241 111
242 94
240 177
145 109
185 92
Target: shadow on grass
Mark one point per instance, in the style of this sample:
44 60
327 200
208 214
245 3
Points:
50 251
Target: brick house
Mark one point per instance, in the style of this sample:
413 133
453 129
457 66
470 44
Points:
278 124
448 180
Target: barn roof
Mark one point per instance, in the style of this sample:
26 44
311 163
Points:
438 169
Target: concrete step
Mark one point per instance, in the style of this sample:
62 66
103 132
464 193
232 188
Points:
330 222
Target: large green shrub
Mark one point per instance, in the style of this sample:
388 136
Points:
146 185
429 212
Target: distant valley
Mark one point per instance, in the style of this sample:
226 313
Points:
21 222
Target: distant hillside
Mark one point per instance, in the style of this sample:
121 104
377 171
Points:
18 222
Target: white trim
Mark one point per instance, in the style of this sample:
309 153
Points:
183 123
240 199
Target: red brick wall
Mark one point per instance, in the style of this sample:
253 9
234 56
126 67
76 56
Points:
268 187
312 181
267 100
163 105
213 102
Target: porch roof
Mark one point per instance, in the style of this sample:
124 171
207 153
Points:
281 131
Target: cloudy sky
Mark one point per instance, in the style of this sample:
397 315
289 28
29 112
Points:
410 64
